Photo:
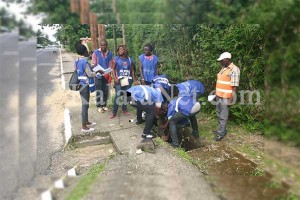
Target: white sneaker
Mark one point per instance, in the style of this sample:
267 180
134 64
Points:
87 130
105 108
100 110
150 136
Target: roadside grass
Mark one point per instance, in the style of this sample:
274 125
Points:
183 154
238 138
179 151
251 153
258 172
159 141
84 185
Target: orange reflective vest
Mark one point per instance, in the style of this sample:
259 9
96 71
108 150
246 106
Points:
223 87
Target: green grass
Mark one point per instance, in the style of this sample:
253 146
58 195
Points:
274 184
84 185
71 143
183 154
258 172
250 151
159 141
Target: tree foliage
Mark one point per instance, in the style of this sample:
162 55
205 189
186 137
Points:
57 12
69 35
9 20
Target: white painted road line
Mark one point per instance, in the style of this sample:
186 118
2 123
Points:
68 131
63 85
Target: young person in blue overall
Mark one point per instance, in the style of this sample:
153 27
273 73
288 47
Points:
148 65
162 83
190 88
123 68
180 109
87 85
149 100
183 109
102 57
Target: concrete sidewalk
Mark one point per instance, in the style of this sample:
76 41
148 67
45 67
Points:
159 175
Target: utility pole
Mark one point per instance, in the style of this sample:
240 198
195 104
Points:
87 17
84 12
93 30
101 32
114 8
115 39
75 6
123 34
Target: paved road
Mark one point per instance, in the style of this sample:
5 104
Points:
9 146
48 140
27 111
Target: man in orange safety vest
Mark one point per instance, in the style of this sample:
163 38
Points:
226 87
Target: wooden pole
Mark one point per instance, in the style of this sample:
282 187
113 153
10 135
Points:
113 5
101 32
123 34
114 8
84 12
75 6
93 30
115 39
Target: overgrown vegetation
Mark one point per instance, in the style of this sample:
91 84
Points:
190 52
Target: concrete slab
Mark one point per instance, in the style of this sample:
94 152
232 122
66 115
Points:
97 140
104 123
151 187
127 140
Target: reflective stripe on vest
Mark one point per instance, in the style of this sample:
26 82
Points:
177 104
145 92
82 77
223 87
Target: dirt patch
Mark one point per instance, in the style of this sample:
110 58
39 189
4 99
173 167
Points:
217 159
248 166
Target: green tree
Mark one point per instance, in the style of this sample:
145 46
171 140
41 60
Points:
9 20
57 12
69 35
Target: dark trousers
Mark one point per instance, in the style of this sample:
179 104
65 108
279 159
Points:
149 109
119 92
85 98
101 92
222 114
173 121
